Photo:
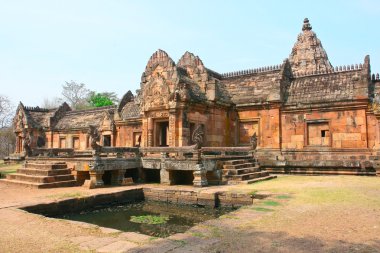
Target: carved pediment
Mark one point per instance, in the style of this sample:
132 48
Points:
108 123
19 121
156 94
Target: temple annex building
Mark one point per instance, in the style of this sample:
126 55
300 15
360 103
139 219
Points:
188 124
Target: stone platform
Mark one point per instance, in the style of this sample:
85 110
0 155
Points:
244 171
43 175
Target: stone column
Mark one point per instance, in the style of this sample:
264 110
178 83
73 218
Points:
164 173
150 132
96 178
165 176
117 176
200 178
172 128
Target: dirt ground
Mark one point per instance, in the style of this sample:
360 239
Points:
303 214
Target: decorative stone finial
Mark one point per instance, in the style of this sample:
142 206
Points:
306 25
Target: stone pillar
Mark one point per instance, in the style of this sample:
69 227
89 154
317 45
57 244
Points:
96 178
141 173
117 176
150 132
172 128
165 177
200 178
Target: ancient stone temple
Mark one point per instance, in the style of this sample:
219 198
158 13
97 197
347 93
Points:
188 124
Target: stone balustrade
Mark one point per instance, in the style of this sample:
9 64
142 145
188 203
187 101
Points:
53 152
177 153
221 152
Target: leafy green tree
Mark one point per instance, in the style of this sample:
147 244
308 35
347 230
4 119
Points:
101 99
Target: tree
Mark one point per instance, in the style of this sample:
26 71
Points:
102 99
6 111
7 141
54 102
77 94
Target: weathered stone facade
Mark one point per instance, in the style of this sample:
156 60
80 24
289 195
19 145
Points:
307 115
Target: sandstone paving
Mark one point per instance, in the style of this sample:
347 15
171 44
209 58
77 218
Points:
342 216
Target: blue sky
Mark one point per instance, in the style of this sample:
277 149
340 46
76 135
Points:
106 44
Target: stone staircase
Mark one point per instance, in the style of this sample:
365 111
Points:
43 175
243 171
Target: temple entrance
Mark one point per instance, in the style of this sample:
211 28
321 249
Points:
181 177
19 144
152 176
162 134
107 140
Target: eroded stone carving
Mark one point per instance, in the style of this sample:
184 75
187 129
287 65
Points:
253 141
27 144
95 138
198 137
156 94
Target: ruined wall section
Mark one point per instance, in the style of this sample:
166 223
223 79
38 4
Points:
337 129
255 88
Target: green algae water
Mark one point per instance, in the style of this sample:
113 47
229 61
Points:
149 217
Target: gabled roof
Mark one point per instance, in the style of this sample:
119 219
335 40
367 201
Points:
253 88
131 110
327 87
81 119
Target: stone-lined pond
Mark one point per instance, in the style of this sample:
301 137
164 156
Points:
149 217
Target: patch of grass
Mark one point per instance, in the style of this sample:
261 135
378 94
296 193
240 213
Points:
150 219
228 217
271 203
198 234
152 239
283 197
10 166
181 243
4 173
215 232
67 195
262 209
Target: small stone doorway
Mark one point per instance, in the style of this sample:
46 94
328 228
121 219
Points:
162 134
181 177
152 176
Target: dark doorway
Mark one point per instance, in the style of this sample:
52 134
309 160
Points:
181 177
107 177
152 175
107 140
133 173
162 129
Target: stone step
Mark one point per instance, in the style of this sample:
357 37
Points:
324 172
251 181
69 183
39 179
45 166
238 166
234 162
246 176
241 171
39 172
